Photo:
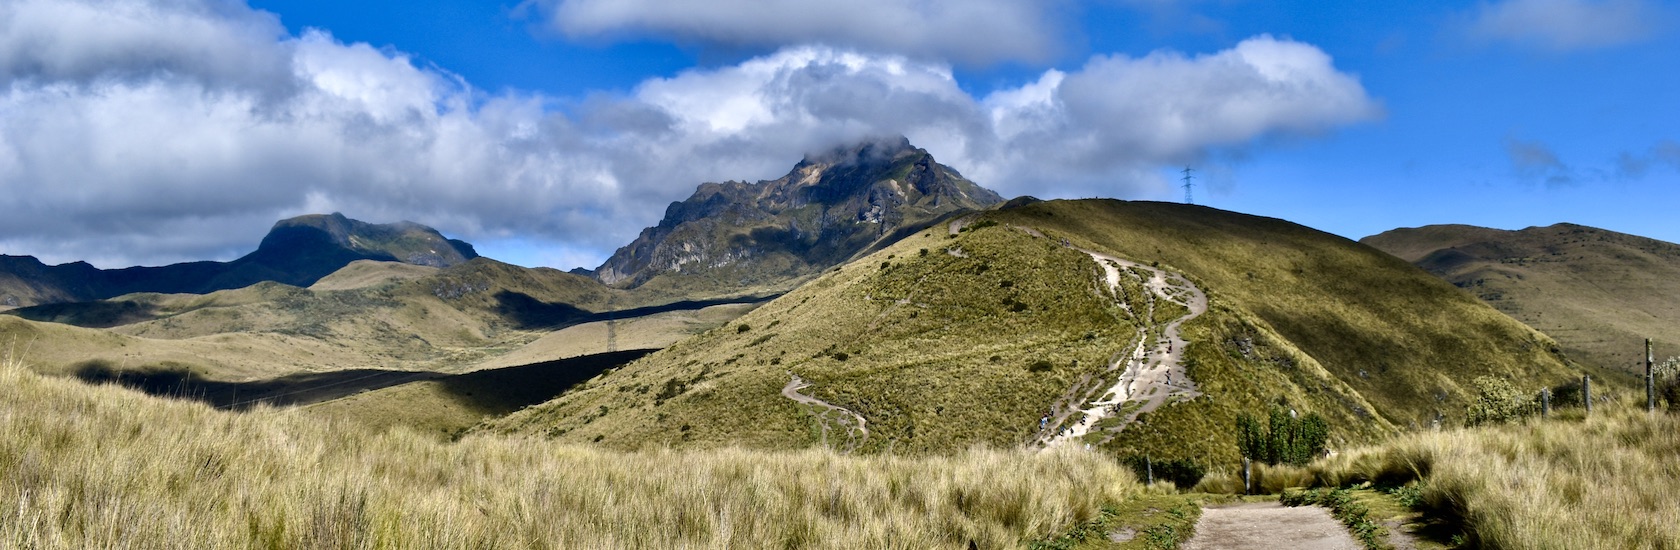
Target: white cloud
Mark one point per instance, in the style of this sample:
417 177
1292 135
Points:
976 31
1566 24
177 153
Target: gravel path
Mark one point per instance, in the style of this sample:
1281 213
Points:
1150 375
858 423
1269 526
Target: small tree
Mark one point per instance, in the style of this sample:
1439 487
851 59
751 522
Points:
1286 439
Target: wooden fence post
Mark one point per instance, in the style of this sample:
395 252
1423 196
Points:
1545 402
1248 486
1650 380
1586 392
1148 470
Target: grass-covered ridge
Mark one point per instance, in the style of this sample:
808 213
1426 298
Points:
104 467
1596 291
941 341
1408 343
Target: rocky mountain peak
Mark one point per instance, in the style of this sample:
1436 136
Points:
831 206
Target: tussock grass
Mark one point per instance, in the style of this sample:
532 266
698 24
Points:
103 467
1608 481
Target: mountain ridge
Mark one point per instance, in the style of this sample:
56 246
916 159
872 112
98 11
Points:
1589 288
296 251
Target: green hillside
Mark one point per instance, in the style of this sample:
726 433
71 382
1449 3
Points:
945 340
1599 293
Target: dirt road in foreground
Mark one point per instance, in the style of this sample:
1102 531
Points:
1269 526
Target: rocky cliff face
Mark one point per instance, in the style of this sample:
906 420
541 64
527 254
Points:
829 208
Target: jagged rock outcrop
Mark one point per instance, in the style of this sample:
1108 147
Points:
830 207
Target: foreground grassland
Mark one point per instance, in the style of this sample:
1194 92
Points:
103 467
1608 481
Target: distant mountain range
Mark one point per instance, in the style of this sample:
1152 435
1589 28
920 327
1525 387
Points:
728 238
825 211
1599 293
298 252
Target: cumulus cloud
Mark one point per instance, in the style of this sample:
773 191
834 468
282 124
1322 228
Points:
1565 24
191 148
975 31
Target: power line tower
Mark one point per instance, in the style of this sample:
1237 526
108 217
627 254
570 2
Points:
1188 199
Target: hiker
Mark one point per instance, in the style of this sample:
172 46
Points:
1042 422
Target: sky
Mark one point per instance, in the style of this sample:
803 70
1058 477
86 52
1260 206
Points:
549 132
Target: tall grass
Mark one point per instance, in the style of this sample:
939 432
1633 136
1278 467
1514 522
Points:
106 467
1610 481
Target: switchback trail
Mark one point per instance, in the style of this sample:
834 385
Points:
1149 374
857 429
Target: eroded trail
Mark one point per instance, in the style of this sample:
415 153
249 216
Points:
1149 373
857 428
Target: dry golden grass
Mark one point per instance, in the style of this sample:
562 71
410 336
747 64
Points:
104 467
1608 481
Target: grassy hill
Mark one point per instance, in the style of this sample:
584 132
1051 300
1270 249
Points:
1599 293
389 343
945 340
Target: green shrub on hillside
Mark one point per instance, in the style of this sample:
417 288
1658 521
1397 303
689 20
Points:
1497 402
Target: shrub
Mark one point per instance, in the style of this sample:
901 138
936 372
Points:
1497 402
1567 394
1669 390
1182 472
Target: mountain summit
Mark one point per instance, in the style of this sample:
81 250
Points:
829 208
297 251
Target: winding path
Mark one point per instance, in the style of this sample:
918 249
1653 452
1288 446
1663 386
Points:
1150 374
857 431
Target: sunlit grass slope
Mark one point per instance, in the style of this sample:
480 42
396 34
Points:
1606 482
1405 341
974 340
939 342
1599 293
103 467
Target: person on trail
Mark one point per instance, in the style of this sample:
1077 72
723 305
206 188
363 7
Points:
1042 422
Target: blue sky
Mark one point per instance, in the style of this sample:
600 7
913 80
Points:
549 132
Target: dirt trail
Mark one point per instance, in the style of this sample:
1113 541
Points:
1269 526
857 428
1150 374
